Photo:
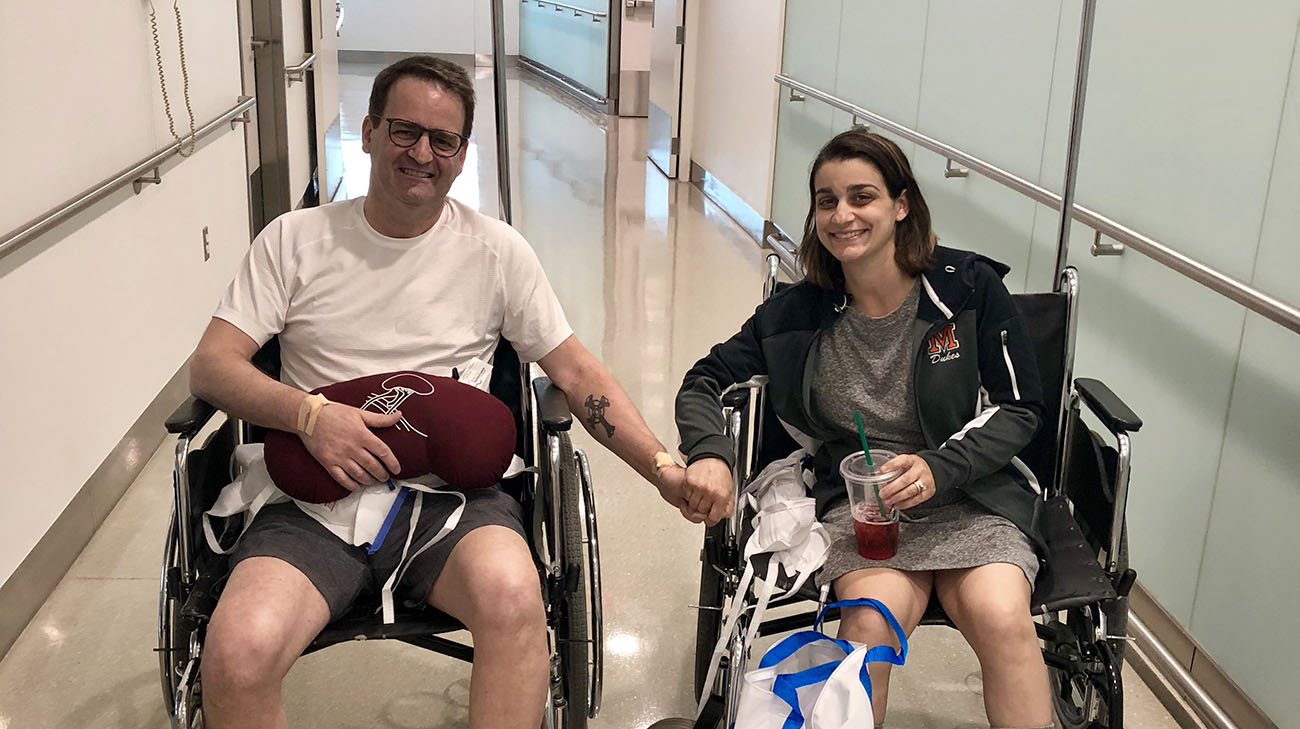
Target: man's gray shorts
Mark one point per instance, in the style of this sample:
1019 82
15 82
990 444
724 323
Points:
342 572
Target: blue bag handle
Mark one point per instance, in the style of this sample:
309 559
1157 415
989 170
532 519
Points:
792 643
881 652
786 685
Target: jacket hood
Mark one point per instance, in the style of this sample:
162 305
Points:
951 280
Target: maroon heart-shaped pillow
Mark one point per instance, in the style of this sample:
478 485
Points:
458 433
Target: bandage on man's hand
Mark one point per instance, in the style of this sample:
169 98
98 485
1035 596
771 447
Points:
459 433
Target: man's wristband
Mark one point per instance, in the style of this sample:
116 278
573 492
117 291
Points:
308 411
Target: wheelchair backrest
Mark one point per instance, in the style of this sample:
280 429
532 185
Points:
1047 317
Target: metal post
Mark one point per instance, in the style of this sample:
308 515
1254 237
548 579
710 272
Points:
503 120
614 60
1072 151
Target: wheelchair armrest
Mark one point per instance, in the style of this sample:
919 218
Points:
190 417
552 407
1106 405
738 395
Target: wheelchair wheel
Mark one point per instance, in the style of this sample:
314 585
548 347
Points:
571 625
708 624
178 644
1087 691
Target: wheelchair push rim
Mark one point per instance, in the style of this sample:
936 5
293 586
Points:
577 662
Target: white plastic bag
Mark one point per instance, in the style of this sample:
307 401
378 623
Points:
811 680
786 528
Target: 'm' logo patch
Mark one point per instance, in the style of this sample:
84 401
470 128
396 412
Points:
944 345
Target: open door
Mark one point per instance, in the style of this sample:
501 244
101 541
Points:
666 52
288 60
326 24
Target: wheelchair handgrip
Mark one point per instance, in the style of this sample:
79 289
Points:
189 417
736 398
1106 405
552 407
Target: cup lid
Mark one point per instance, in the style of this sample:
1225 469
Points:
854 466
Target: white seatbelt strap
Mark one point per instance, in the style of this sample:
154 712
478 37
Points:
386 593
233 501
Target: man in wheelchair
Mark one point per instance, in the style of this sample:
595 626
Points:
402 279
926 345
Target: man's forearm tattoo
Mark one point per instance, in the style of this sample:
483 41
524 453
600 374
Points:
596 414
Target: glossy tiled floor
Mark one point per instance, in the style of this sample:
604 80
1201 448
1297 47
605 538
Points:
651 274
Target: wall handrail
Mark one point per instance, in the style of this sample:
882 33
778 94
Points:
1249 297
577 11
299 72
25 233
785 249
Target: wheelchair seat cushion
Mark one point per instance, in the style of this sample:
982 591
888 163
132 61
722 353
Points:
456 432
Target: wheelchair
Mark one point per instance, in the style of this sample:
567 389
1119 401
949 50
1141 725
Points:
1080 598
559 510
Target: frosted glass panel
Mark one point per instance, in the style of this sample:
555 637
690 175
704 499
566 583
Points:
568 43
1178 141
1178 144
812 36
802 128
881 45
1168 347
987 79
1051 175
1250 580
1250 577
975 213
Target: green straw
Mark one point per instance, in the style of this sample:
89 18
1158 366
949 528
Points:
871 468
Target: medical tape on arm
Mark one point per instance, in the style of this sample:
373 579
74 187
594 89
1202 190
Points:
308 411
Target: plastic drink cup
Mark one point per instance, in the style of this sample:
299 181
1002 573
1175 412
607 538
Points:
877 532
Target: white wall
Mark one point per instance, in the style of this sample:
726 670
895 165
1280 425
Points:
483 26
423 26
734 124
100 313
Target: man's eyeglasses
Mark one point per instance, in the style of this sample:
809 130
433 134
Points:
405 134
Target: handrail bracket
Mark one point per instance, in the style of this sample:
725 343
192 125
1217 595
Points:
138 183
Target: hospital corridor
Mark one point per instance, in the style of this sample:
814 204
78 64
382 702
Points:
658 158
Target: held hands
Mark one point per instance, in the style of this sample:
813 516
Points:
904 492
708 491
672 485
343 443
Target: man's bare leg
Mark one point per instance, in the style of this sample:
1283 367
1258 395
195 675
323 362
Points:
268 613
490 584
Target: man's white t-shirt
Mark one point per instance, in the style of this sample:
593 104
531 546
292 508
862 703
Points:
349 302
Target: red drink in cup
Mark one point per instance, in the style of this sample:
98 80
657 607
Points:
875 524
877 538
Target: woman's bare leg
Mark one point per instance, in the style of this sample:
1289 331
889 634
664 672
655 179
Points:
989 604
905 594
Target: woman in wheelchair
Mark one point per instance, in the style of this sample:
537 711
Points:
927 344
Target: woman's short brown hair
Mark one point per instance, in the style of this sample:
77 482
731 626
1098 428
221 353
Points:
914 239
